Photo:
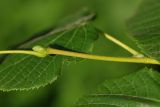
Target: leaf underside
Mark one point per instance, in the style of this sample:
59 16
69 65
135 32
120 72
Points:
145 28
139 89
23 72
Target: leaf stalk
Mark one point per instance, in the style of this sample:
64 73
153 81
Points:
103 58
124 46
40 51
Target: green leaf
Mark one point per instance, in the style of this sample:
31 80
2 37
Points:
139 89
145 28
23 72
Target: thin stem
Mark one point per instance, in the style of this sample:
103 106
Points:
103 58
124 46
34 53
43 52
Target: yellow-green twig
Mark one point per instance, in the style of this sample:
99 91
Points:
37 51
124 46
43 52
103 58
22 52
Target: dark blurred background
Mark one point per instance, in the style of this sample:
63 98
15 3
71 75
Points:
21 19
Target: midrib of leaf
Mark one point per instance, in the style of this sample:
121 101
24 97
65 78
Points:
119 96
98 105
123 96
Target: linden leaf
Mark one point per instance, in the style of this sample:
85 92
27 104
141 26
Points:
20 72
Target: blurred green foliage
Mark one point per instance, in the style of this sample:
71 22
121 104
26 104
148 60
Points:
21 19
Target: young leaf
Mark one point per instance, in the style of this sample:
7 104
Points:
145 28
23 72
139 89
